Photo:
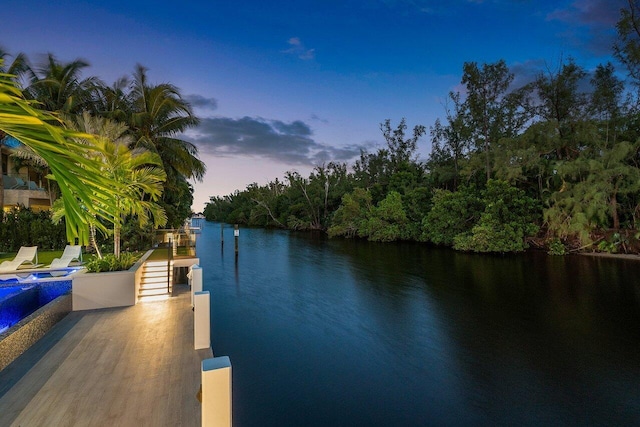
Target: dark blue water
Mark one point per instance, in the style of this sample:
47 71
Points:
8 290
18 302
346 333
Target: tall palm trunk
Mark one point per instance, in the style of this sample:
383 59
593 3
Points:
93 241
614 212
116 240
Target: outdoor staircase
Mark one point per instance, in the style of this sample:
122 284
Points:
153 283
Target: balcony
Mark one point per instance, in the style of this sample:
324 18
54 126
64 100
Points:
24 192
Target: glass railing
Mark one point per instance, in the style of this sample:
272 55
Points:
18 182
182 241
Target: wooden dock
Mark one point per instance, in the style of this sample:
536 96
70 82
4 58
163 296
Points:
131 366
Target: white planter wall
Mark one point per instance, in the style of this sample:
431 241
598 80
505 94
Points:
109 289
103 290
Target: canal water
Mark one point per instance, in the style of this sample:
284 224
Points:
332 332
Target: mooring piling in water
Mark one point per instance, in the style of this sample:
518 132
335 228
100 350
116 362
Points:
236 235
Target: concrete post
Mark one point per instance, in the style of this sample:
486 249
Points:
195 280
216 392
201 320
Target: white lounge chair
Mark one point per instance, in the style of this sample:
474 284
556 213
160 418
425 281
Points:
71 253
26 255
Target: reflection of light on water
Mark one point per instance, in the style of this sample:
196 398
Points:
3 329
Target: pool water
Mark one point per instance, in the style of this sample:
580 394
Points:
8 290
18 302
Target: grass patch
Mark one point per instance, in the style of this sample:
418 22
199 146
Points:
158 254
44 257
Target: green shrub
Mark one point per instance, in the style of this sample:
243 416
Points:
556 247
112 263
508 218
23 227
453 213
387 220
351 217
609 247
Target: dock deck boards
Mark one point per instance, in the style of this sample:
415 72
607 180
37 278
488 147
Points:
131 366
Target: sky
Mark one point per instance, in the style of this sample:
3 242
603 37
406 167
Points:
288 85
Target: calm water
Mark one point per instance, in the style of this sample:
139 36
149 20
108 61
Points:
344 333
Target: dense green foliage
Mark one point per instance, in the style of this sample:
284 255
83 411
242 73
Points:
553 162
453 213
23 227
509 217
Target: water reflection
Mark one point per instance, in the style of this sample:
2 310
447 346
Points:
334 332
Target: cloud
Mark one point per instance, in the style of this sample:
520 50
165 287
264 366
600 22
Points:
600 13
590 23
289 143
319 119
526 72
297 48
202 102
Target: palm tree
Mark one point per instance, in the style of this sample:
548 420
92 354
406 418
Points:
80 177
59 86
112 102
160 116
139 173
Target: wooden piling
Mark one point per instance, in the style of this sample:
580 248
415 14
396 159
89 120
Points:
236 234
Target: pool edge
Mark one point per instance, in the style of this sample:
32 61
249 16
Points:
17 339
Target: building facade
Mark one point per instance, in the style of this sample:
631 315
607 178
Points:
23 185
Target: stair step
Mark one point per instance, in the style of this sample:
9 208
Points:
162 265
155 274
156 263
154 280
154 285
162 271
156 271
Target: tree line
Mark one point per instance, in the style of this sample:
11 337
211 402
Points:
552 163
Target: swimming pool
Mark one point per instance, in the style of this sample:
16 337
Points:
18 302
8 290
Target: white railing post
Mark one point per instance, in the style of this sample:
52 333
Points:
195 280
216 392
201 320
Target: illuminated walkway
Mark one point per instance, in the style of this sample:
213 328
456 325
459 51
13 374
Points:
132 366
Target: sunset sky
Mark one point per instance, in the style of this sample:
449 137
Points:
286 85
